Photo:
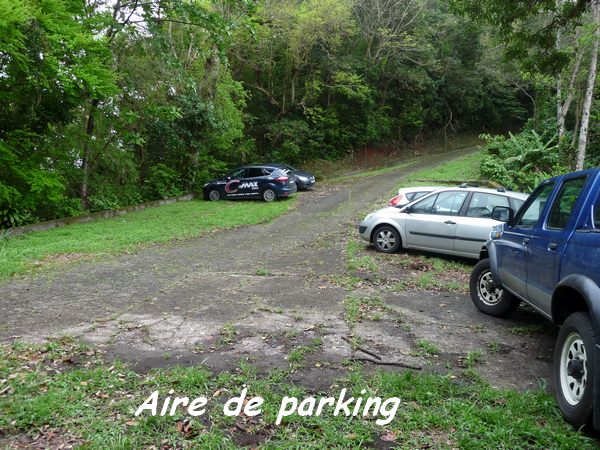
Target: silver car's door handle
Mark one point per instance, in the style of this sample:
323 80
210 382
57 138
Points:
526 241
450 222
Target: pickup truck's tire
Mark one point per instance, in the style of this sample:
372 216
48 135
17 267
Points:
574 369
486 295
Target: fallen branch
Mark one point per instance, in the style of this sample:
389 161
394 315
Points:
387 363
362 349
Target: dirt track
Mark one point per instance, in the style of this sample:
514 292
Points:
259 292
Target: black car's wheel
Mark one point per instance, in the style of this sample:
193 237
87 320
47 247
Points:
268 195
214 195
386 239
486 295
574 369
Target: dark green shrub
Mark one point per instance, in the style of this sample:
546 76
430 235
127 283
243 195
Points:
162 182
521 161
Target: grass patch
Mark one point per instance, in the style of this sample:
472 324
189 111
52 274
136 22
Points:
227 335
130 231
262 273
426 348
92 403
528 330
354 260
358 309
465 168
373 172
432 273
299 354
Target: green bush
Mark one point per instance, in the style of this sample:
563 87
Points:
162 182
521 161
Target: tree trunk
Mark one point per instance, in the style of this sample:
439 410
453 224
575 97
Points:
589 93
85 157
563 109
559 107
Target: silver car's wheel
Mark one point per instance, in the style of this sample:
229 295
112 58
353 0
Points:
214 195
386 239
574 362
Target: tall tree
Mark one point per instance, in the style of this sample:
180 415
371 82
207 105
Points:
591 83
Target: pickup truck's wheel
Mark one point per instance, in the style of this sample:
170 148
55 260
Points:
386 239
486 295
574 369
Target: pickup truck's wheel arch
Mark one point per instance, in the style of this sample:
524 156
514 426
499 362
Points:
393 236
574 365
488 297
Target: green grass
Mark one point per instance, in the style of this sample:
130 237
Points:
426 348
372 172
461 169
354 260
130 231
93 404
358 309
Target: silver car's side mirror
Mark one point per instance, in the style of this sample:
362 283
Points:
407 209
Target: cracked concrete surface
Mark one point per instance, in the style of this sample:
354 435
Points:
270 285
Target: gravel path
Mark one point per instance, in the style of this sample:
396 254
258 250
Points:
259 292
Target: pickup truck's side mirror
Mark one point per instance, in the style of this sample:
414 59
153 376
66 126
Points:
503 214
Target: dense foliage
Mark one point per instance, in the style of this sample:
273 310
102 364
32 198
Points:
555 43
113 102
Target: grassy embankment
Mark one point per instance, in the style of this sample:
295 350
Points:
131 231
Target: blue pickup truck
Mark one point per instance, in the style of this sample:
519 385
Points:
548 255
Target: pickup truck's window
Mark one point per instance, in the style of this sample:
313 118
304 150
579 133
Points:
597 216
565 202
449 203
482 204
530 215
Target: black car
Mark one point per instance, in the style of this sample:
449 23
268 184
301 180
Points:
304 180
251 182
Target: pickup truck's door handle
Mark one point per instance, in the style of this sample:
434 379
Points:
552 246
526 241
450 222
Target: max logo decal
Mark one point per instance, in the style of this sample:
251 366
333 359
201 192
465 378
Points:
232 186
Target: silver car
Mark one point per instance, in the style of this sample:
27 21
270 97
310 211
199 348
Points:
455 221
